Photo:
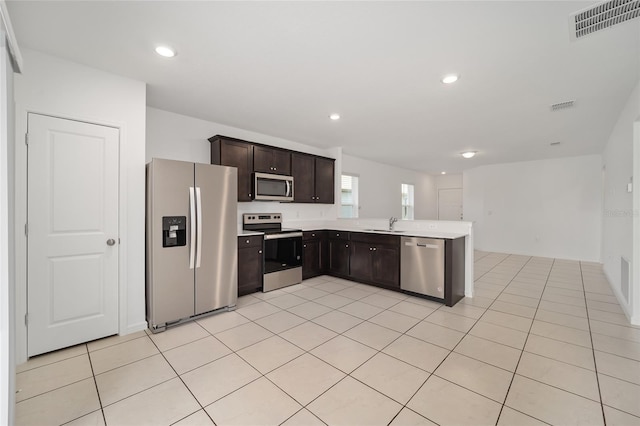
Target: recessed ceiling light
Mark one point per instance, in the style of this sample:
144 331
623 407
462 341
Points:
469 154
451 78
335 116
165 51
443 173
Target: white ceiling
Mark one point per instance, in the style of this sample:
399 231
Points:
281 68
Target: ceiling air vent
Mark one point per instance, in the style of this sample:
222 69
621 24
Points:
562 105
602 16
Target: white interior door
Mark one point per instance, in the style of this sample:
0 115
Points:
450 204
72 232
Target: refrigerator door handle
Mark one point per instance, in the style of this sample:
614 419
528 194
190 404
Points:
199 227
192 241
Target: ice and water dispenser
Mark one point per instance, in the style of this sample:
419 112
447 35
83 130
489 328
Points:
174 231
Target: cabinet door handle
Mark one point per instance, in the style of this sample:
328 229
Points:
347 245
259 251
275 168
374 249
304 245
317 198
247 241
337 235
313 235
370 248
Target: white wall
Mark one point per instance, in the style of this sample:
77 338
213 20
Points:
548 208
449 181
379 189
57 87
617 223
179 137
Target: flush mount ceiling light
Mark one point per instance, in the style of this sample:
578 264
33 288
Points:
165 51
335 116
443 173
450 78
469 154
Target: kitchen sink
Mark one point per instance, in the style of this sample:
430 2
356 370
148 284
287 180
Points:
383 230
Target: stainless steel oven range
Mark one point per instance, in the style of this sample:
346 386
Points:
282 249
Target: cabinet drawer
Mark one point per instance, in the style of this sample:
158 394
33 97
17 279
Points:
313 235
250 241
338 235
382 239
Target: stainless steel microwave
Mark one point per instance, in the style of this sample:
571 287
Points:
270 187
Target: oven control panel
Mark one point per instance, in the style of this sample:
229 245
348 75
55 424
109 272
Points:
261 218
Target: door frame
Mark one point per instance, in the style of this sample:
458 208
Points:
438 201
21 214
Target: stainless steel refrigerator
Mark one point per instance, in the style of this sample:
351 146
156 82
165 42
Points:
191 238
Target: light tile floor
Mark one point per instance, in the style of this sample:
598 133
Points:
543 341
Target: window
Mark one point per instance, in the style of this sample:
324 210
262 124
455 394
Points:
349 196
407 201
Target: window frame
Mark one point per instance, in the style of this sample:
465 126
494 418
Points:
407 210
354 206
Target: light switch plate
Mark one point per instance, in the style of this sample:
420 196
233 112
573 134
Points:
629 187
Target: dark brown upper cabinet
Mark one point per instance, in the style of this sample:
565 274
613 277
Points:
271 160
235 153
313 178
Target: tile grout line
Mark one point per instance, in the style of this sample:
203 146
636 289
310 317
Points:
593 349
95 382
526 339
179 377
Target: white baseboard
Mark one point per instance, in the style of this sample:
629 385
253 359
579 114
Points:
623 303
134 328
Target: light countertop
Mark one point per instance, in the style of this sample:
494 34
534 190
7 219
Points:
423 233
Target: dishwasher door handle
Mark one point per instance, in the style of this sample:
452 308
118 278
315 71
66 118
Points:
428 245
433 246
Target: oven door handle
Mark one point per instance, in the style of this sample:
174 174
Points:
286 235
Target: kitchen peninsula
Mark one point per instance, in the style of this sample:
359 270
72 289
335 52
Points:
367 251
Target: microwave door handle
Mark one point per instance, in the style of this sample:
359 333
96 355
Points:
288 183
199 228
192 214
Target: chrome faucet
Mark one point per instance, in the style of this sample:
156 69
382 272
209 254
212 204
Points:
392 221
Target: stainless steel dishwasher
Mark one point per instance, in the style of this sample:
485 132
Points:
422 266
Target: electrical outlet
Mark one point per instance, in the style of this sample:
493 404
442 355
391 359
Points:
433 226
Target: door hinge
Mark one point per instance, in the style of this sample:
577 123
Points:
26 229
26 139
26 319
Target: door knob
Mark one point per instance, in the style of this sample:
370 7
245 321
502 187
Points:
111 242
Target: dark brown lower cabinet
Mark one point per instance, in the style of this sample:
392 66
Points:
314 253
375 259
361 261
250 264
454 272
339 257
386 266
